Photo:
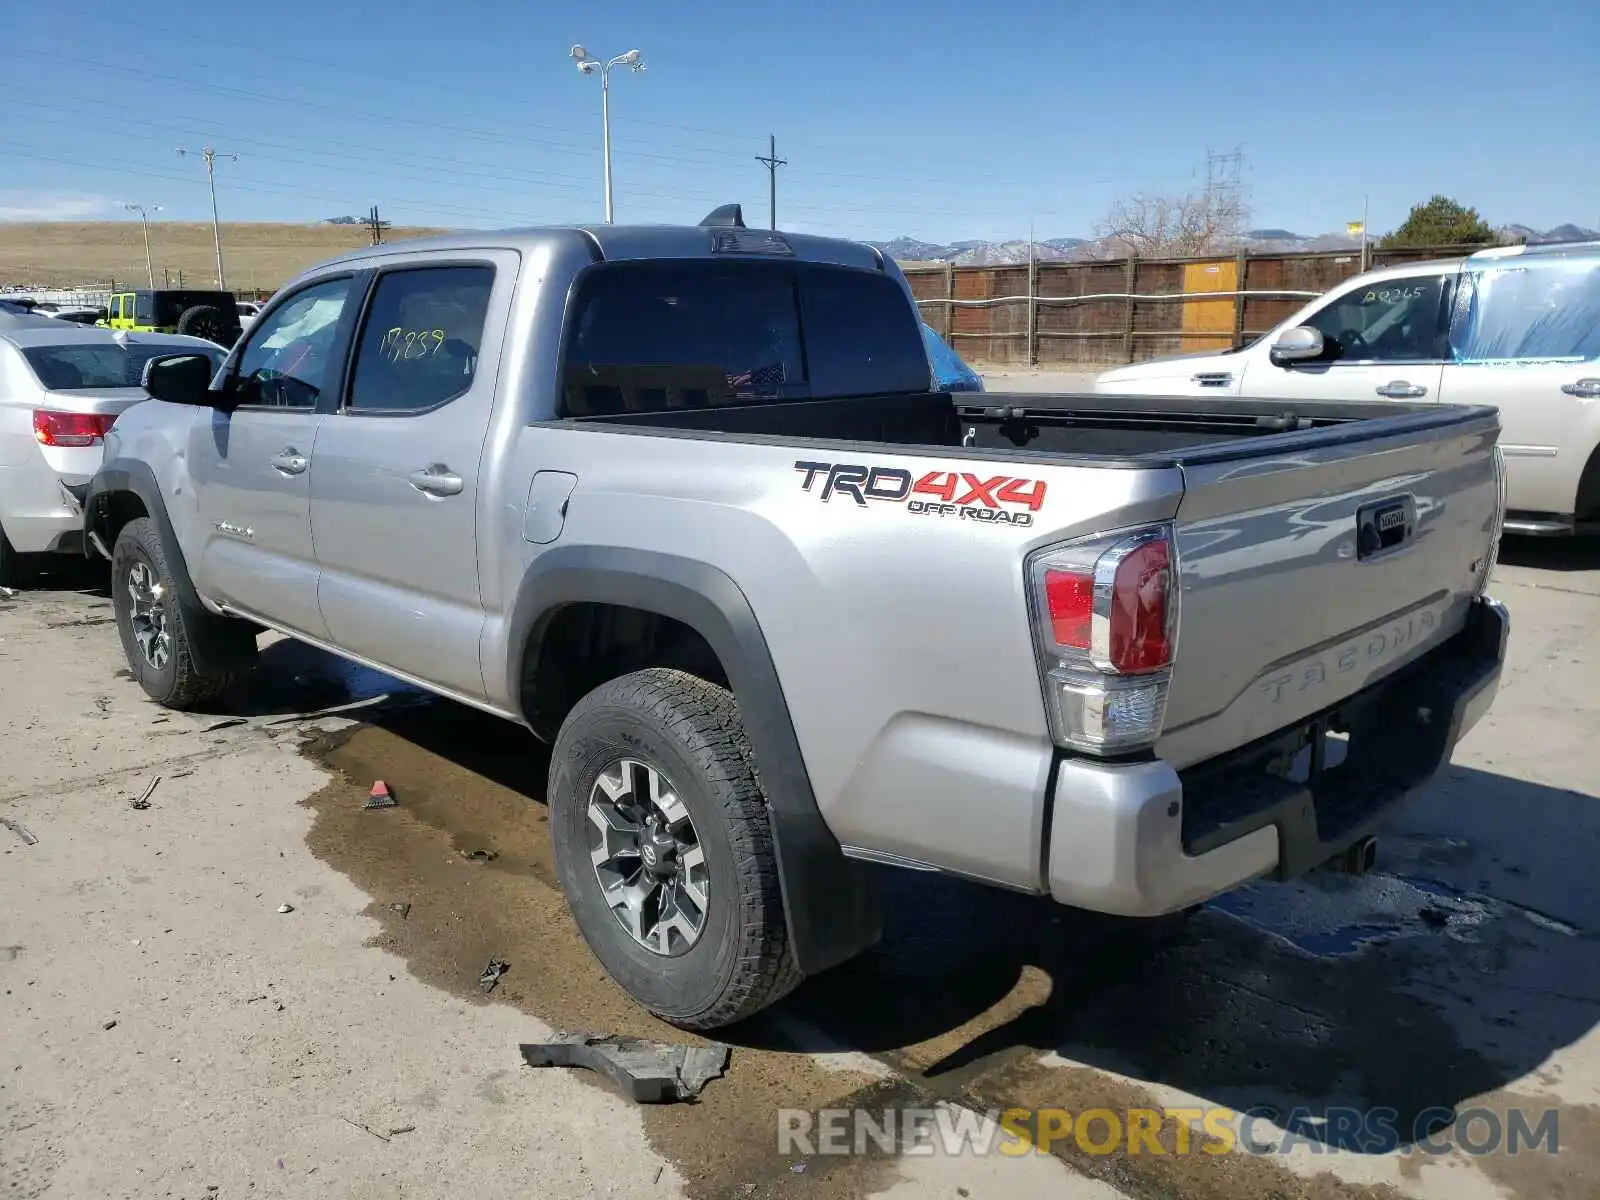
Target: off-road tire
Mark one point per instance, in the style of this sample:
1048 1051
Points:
209 322
691 731
179 684
16 570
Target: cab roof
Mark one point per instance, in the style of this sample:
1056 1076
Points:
633 242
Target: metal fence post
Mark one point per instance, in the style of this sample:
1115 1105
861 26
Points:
1033 306
1240 270
1130 274
950 308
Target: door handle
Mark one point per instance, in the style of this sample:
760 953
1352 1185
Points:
436 480
1401 390
1587 389
290 461
1212 378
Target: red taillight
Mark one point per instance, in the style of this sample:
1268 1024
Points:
1106 609
1069 599
1140 636
70 429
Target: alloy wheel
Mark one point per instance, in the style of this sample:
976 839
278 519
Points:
147 614
647 857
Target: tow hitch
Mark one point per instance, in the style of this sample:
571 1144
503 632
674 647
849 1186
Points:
1358 859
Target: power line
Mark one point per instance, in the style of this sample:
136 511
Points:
772 163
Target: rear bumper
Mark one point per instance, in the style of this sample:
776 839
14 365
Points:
41 510
1143 839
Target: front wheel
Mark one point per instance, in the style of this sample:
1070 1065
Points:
665 851
157 628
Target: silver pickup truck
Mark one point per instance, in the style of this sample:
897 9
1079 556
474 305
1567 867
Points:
682 501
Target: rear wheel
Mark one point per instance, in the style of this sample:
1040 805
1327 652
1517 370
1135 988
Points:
157 628
665 851
207 321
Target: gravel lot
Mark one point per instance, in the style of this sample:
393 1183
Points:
261 1053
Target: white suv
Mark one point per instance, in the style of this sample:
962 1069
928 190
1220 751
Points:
1517 327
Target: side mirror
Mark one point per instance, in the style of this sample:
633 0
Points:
181 379
1298 344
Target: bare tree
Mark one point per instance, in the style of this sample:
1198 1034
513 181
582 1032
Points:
1154 226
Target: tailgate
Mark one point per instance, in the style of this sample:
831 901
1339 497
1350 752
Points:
1313 564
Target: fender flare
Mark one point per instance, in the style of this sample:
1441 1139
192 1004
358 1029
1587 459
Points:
216 643
830 901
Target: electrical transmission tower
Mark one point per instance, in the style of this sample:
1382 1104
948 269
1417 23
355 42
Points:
1226 197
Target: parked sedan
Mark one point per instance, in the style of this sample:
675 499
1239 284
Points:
61 387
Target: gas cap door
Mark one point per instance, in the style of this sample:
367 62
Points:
547 506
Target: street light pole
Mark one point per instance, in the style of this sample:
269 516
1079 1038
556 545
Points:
210 157
144 220
590 66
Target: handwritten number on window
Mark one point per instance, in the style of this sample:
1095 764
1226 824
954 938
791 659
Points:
400 344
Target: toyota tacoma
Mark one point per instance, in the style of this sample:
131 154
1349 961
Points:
683 502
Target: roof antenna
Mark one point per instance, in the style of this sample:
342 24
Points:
729 215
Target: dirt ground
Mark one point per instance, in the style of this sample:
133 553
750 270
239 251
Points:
166 1031
256 255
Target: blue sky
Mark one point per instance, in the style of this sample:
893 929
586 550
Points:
939 120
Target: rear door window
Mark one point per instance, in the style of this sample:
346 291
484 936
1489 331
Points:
645 337
144 308
419 347
1538 309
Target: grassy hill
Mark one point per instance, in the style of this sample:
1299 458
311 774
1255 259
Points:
69 253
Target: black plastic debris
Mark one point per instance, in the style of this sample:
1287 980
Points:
645 1072
491 974
225 723
479 855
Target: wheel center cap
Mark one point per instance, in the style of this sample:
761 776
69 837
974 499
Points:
659 852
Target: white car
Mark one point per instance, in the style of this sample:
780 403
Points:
249 310
61 387
1517 327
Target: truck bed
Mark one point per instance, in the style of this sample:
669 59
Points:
1152 430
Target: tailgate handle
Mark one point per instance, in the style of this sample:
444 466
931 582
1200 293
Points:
1587 389
1384 525
1401 390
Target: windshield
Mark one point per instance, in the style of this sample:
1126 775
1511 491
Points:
94 366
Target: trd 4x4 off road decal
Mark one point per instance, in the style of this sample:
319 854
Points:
999 499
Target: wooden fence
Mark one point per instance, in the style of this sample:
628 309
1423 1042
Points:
1124 310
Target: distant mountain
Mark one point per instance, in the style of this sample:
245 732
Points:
1561 233
1257 241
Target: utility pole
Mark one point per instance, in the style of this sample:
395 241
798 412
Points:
1363 234
375 226
772 162
210 157
144 220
